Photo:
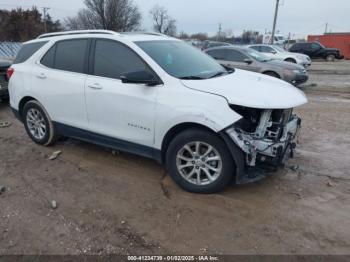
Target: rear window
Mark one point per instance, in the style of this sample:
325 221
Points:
27 51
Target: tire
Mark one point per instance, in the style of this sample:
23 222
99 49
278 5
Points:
273 74
330 58
38 124
199 181
291 60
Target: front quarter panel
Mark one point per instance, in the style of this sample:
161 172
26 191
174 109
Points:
179 105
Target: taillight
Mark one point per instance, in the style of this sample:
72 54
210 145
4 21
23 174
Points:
9 73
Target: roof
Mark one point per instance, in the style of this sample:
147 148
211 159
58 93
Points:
9 50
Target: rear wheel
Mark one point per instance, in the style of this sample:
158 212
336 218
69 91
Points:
330 58
37 123
199 161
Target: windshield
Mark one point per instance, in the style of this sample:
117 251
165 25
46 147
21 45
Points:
182 60
257 55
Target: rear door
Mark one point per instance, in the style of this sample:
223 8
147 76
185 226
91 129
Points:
59 82
122 111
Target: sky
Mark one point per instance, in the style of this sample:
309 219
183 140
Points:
298 17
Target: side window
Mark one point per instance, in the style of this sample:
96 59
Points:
219 54
49 57
27 51
315 47
69 55
236 56
266 49
113 59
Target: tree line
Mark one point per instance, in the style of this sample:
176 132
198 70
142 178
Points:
20 25
117 15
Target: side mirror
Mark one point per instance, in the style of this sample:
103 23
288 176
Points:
248 61
273 52
140 77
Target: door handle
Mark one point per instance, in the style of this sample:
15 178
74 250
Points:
95 86
41 76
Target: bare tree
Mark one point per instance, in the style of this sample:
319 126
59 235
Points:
116 15
163 22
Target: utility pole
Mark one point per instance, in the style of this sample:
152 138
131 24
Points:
272 39
325 31
219 33
45 9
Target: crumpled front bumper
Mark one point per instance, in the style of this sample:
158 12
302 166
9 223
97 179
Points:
262 152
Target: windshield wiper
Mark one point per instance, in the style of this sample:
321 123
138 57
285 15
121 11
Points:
192 78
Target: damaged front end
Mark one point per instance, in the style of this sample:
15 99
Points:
266 136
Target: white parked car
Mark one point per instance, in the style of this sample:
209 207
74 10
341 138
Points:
278 53
157 97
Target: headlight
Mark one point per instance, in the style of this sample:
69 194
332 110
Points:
297 71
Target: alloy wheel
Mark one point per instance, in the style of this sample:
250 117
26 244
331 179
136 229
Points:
36 123
199 163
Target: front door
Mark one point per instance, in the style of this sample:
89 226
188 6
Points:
117 110
237 59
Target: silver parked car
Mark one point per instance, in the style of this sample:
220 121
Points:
251 60
278 53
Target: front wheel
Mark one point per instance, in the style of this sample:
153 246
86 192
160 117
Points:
200 162
330 58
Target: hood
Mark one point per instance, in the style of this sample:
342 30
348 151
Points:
253 90
285 65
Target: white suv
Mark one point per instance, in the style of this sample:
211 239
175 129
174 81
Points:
157 97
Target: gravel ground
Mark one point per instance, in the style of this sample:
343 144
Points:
329 76
114 203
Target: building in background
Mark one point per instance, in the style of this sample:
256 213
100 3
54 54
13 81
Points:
334 40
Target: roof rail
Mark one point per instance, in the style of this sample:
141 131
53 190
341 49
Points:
78 32
143 33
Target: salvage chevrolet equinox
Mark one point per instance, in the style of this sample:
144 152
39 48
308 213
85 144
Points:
157 97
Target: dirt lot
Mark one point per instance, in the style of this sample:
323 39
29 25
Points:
123 204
